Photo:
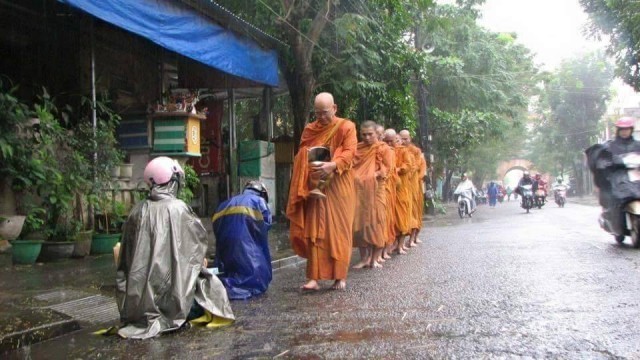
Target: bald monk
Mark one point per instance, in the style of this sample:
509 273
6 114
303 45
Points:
389 160
321 229
371 213
414 187
404 201
421 178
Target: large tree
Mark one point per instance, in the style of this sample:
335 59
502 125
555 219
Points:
571 104
618 21
478 89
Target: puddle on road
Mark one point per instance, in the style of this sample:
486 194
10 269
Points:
348 337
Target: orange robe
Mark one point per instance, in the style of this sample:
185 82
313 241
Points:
391 182
422 174
321 229
416 188
404 166
369 227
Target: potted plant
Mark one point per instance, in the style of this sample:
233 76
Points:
111 216
100 147
26 136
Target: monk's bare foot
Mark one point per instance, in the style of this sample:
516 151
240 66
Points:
380 259
418 241
339 285
311 285
412 244
360 265
376 265
401 251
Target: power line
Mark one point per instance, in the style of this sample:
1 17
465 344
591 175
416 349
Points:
298 31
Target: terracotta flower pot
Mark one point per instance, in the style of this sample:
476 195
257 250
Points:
82 245
126 171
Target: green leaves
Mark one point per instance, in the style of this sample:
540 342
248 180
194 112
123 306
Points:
618 20
570 106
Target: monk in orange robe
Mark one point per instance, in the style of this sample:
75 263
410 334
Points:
389 160
404 168
415 188
421 178
371 205
321 229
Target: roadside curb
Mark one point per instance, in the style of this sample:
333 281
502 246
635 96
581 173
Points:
287 262
62 325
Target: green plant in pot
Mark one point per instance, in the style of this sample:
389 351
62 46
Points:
27 135
191 184
100 146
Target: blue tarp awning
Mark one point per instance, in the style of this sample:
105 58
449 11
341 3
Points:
179 28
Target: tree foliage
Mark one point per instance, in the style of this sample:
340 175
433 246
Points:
479 85
572 101
618 20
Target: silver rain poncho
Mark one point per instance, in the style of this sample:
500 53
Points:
161 267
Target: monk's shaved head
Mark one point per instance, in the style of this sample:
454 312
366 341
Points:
368 132
325 98
405 136
390 134
324 108
368 124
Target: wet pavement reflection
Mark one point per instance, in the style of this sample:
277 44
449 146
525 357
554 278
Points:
503 284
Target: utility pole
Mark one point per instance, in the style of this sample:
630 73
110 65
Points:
423 107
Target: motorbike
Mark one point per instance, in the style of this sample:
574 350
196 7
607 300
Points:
631 226
464 202
527 197
540 198
560 195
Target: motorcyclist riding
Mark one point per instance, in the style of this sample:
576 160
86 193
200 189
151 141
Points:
525 180
467 189
560 192
542 185
606 161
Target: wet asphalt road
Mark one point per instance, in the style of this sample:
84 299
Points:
503 284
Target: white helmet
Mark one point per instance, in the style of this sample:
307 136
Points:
161 170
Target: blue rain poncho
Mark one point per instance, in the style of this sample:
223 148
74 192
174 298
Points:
240 225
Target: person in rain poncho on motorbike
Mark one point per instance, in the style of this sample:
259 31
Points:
240 225
161 279
607 163
525 180
557 187
467 189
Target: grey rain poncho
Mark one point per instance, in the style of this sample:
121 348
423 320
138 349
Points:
161 267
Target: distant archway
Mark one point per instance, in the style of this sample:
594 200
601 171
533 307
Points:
514 164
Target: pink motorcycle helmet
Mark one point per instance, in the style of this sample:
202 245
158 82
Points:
625 122
160 170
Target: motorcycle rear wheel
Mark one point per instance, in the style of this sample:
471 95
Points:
619 238
635 231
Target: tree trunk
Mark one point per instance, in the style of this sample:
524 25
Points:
300 91
446 187
298 68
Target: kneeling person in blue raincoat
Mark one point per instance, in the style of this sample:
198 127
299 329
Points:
240 225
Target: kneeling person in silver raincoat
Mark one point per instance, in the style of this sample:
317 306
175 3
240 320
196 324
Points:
161 274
